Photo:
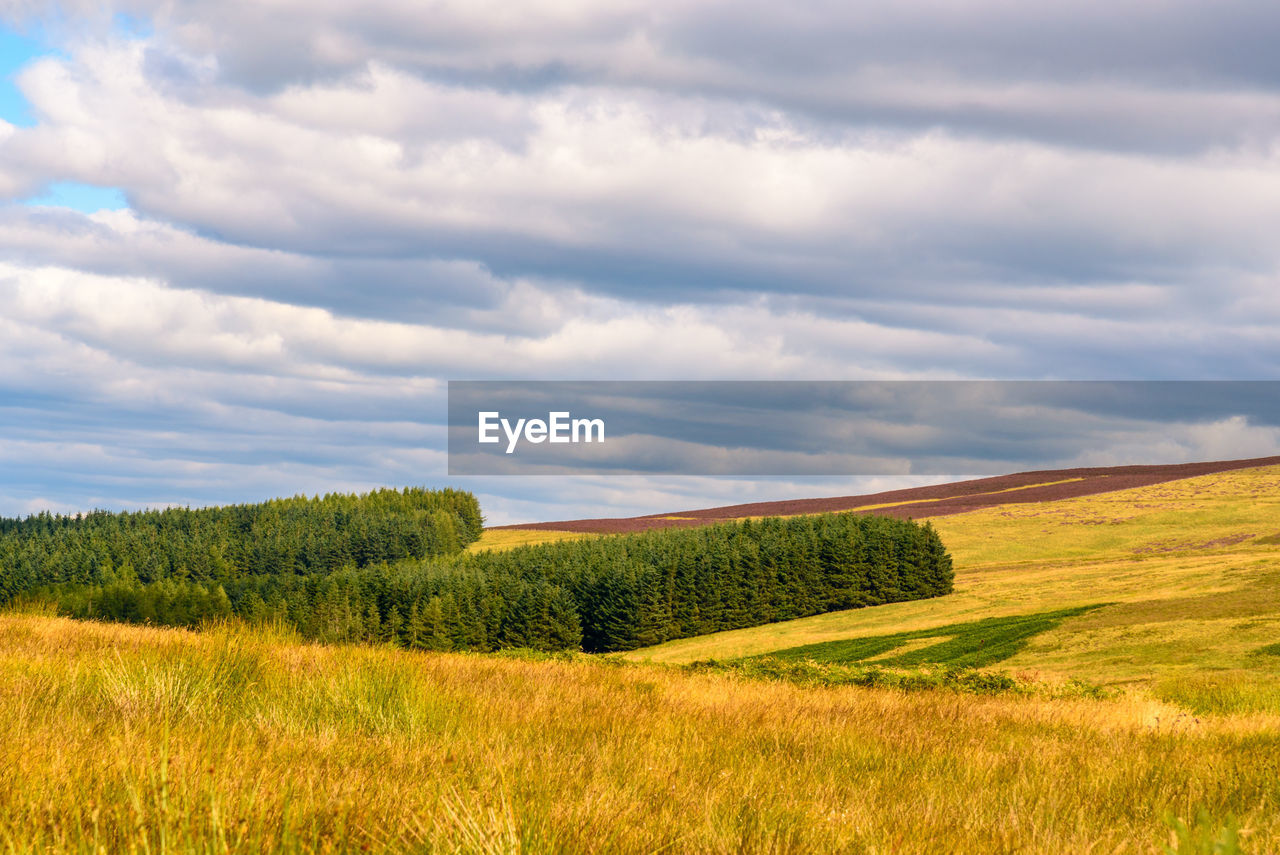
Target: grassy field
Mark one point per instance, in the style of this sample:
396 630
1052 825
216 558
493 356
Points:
133 739
1190 570
130 739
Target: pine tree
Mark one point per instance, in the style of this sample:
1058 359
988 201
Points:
415 637
392 626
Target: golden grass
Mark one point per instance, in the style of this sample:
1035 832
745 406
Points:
1188 566
509 538
130 739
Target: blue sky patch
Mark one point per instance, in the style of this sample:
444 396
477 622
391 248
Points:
80 197
16 51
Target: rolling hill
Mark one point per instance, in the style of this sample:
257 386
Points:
1174 573
1182 577
937 500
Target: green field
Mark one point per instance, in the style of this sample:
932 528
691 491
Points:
974 644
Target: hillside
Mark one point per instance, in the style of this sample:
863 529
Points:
1185 575
916 502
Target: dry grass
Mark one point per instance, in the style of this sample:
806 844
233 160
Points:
128 739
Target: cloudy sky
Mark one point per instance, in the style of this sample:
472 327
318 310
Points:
244 243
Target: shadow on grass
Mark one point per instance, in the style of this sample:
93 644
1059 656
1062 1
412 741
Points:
967 645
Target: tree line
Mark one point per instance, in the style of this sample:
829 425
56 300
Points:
283 537
600 594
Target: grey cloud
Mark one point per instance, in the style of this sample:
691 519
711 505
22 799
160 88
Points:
859 427
412 288
1129 75
728 201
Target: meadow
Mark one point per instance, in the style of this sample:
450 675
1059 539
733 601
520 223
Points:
134 739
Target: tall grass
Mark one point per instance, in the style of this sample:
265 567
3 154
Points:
132 739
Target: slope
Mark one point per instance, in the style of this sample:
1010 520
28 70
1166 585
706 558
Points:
1185 574
917 502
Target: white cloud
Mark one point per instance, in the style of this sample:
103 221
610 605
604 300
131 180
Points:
387 164
335 208
150 325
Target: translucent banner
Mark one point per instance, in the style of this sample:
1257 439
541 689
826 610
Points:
795 428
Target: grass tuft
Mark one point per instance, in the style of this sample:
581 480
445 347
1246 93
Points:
1203 836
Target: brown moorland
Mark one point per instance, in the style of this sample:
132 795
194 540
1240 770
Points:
937 500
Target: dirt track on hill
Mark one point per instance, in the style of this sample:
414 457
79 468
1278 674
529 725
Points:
935 501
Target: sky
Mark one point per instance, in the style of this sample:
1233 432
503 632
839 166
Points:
245 244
